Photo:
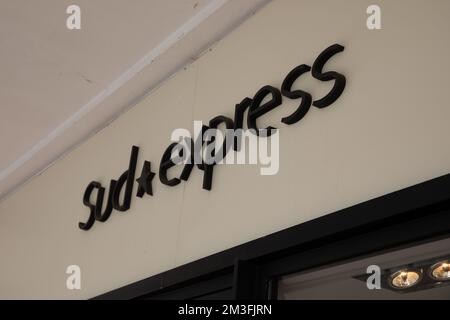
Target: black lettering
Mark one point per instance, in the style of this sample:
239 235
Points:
257 109
209 168
165 165
189 166
128 178
214 124
339 83
99 216
239 121
87 202
304 106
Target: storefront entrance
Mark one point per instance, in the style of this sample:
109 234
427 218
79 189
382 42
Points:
405 234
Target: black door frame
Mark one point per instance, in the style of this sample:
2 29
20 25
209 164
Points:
250 271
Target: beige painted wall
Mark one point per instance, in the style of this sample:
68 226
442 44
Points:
389 130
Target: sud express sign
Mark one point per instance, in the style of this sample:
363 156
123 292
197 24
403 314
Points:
255 108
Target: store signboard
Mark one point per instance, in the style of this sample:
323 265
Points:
265 100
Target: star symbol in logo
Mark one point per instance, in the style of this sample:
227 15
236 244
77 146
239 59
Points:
145 180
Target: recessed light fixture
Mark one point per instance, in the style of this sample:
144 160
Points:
404 279
415 276
440 271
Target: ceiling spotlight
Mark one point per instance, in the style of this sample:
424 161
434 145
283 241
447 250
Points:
441 271
404 279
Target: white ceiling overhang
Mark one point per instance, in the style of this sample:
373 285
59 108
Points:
60 86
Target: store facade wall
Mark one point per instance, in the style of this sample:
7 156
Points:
388 130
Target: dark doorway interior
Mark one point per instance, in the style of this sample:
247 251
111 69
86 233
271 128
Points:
294 263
